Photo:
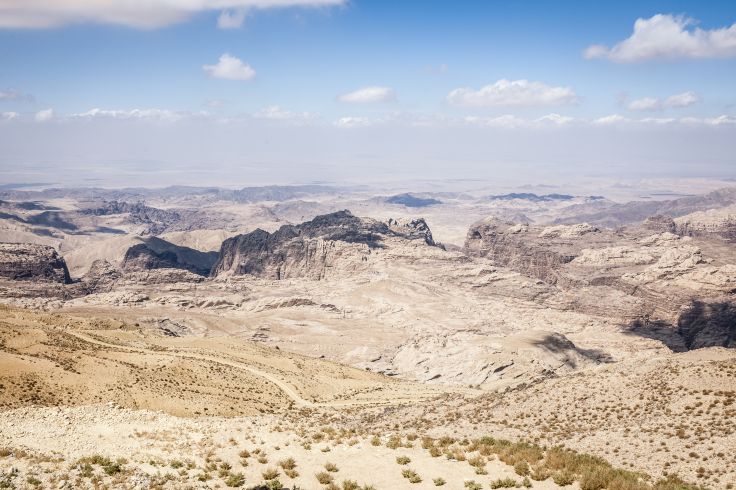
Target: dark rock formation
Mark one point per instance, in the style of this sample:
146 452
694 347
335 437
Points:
155 253
101 276
26 261
659 224
412 201
306 250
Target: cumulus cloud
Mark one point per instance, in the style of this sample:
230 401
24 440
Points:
148 14
276 113
369 94
608 120
684 99
506 121
513 93
231 19
664 36
354 122
555 119
44 115
9 116
230 68
149 114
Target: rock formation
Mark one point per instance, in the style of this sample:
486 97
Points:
155 253
311 248
25 261
676 289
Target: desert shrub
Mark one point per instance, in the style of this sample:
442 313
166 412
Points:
521 468
563 478
235 480
594 479
291 473
473 485
270 474
393 442
411 475
438 482
503 483
350 485
32 480
274 485
323 477
477 462
403 460
288 463
331 467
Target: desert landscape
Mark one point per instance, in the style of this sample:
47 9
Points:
367 245
534 352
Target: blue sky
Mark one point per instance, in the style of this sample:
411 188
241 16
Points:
309 65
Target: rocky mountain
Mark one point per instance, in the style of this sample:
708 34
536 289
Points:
676 289
25 261
155 253
411 201
612 214
313 247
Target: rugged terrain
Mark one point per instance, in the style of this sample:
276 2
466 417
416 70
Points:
268 325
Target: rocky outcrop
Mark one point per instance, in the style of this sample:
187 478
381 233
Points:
311 248
30 262
660 223
155 253
636 275
531 251
720 222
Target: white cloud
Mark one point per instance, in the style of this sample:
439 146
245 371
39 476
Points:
369 94
684 99
230 68
555 119
9 116
664 36
506 121
147 14
645 104
149 114
276 113
44 115
612 119
516 93
231 19
354 122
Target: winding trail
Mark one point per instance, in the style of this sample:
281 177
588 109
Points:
287 389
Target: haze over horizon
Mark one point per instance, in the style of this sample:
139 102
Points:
289 91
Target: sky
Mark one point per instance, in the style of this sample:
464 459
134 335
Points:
155 92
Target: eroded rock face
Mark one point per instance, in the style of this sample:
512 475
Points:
714 222
25 261
311 248
531 251
660 223
155 253
677 289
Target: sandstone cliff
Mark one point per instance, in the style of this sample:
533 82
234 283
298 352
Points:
25 261
312 248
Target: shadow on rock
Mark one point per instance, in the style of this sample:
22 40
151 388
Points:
701 324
